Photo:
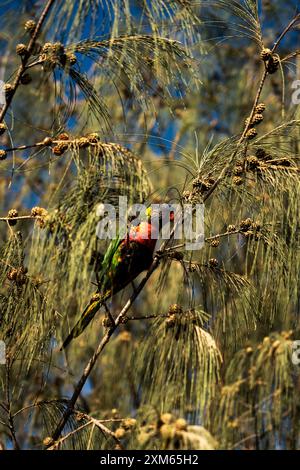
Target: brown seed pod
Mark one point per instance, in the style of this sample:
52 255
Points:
245 224
38 212
21 49
213 262
59 149
251 133
260 108
83 142
30 25
12 214
237 180
47 47
175 309
3 155
7 89
214 243
265 54
252 162
63 136
273 63
48 441
231 228
257 118
202 185
3 128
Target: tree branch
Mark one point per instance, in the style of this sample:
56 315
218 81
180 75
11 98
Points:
23 65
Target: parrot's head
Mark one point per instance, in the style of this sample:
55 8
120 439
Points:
162 212
147 227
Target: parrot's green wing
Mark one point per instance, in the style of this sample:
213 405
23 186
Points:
109 264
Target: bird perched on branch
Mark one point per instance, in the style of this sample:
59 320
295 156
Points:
123 261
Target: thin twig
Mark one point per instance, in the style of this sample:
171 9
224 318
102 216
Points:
10 418
21 217
285 31
23 65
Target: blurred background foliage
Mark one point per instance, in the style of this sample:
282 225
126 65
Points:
148 99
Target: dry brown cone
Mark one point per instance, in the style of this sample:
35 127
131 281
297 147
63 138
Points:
7 89
63 136
252 162
265 54
237 180
30 25
21 49
12 214
3 155
273 64
38 212
60 148
245 224
257 118
175 309
214 243
260 108
251 133
213 262
3 128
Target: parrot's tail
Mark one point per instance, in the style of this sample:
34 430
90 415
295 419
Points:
86 317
